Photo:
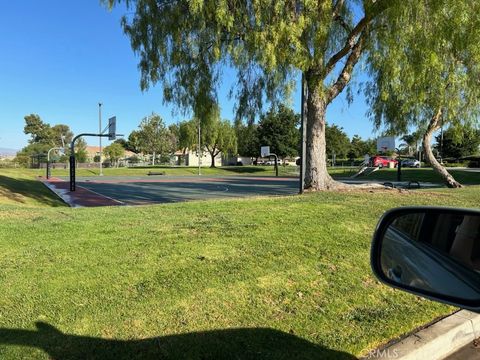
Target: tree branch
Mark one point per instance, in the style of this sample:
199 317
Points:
352 40
349 44
337 7
343 23
346 73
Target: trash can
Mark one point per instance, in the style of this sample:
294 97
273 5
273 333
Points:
391 165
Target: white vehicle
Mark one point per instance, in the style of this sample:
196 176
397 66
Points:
411 162
272 162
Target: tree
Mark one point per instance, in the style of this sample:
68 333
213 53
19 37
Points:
337 141
247 139
122 142
215 135
114 152
184 44
218 137
426 74
174 135
81 154
278 129
458 142
133 142
410 142
187 135
360 147
356 147
40 132
43 137
60 130
153 136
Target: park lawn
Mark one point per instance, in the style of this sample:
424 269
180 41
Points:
19 187
289 276
409 174
183 171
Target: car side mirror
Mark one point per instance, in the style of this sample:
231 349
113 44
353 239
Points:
431 252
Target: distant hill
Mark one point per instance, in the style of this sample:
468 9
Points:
7 152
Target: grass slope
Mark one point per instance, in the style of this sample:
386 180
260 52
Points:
284 277
19 187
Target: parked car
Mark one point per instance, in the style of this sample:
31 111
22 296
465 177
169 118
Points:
272 162
382 161
411 162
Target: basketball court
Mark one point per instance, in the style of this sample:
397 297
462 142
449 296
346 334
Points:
142 190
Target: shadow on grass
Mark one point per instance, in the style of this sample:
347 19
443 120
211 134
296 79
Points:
18 189
249 343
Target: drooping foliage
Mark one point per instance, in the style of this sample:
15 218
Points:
186 44
427 73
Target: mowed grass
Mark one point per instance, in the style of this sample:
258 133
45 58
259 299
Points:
270 278
19 187
409 174
182 171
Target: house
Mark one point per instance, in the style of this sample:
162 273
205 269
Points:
190 158
238 160
93 151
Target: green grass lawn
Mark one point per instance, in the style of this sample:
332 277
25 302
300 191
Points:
282 277
183 170
409 174
19 187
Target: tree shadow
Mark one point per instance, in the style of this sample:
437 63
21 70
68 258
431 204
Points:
17 189
246 343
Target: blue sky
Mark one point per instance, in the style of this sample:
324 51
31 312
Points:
59 58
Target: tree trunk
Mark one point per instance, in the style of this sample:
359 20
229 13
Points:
316 174
153 159
427 138
213 160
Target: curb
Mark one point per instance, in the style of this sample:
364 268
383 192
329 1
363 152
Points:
436 341
54 190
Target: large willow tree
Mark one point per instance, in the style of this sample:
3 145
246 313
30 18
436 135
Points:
185 44
427 74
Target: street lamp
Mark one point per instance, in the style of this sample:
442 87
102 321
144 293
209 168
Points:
100 138
199 151
303 134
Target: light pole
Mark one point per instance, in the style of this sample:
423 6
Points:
441 142
100 131
303 134
199 147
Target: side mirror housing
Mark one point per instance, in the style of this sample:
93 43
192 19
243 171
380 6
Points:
431 252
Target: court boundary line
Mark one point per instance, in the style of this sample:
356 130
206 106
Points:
101 195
